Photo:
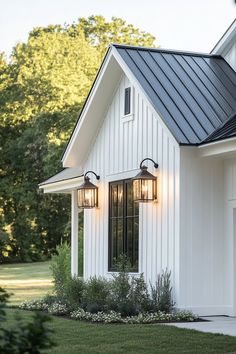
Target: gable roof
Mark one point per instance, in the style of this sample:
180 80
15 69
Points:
193 93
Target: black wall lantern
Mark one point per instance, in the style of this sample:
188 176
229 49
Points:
145 184
88 193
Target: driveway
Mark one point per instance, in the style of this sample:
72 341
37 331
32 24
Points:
217 324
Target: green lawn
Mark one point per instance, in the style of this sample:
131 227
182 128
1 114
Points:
33 280
75 337
26 281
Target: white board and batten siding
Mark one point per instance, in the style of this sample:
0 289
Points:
205 244
230 229
121 143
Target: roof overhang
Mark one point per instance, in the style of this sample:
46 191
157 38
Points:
222 148
62 187
224 43
63 182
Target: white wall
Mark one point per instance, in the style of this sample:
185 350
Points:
119 147
204 286
230 228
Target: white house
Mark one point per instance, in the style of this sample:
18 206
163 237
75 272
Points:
178 109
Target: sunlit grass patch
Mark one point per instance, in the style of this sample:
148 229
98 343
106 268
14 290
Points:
26 281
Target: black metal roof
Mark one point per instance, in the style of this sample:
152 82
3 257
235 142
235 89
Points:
195 94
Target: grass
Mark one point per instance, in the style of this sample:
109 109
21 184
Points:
33 280
79 337
26 281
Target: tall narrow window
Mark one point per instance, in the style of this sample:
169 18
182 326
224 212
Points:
123 225
127 105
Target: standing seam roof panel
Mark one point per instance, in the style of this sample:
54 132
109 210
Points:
211 94
165 98
166 83
177 76
193 93
193 86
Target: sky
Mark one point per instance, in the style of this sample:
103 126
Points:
177 24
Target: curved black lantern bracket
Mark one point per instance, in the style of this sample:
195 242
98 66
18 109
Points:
148 158
97 176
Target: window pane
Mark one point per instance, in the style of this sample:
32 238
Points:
113 200
129 199
124 224
113 239
120 238
120 200
127 100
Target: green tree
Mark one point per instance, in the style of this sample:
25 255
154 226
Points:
42 90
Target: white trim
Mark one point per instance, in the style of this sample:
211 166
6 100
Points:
62 186
216 142
225 40
226 146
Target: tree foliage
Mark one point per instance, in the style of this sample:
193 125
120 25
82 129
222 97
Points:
42 90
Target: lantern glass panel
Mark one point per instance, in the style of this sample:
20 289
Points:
87 198
144 190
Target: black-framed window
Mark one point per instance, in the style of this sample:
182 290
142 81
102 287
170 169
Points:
123 224
127 101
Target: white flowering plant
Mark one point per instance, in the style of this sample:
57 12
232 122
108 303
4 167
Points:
62 309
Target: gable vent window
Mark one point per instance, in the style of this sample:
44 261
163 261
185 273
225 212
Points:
127 105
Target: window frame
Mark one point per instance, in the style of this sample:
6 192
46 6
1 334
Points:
129 116
125 219
127 89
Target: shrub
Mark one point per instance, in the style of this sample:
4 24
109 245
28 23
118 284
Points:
161 293
27 337
60 267
73 290
139 293
96 294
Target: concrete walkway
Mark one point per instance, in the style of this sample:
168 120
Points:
216 324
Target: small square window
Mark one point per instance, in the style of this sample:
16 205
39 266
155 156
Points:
127 101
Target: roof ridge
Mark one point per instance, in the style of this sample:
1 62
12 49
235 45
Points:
162 50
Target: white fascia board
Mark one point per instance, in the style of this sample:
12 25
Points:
218 148
87 104
136 83
225 40
65 186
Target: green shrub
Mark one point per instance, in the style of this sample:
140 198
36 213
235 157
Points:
161 293
60 267
139 293
96 294
73 290
28 337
